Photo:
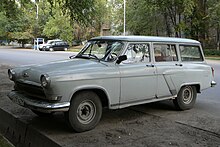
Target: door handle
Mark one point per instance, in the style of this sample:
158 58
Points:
150 65
179 64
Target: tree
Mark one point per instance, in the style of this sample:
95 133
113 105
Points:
3 23
214 15
143 18
81 11
18 18
59 27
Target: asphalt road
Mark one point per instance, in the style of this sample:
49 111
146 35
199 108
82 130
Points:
26 56
204 116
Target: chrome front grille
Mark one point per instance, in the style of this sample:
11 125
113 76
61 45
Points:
31 90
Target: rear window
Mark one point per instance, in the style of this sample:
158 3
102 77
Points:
190 53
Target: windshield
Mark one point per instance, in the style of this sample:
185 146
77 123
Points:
101 50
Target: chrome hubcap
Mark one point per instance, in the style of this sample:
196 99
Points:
187 95
86 112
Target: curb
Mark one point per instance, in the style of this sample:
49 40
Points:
21 134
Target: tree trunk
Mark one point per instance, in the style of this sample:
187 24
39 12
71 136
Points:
218 37
167 25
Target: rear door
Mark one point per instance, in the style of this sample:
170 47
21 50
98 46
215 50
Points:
168 68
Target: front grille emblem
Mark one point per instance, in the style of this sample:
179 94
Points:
25 74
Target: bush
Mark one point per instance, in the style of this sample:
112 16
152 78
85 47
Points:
212 52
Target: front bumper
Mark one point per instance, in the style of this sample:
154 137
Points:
38 105
213 83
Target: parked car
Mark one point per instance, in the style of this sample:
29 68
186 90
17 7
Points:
3 42
56 46
114 72
49 42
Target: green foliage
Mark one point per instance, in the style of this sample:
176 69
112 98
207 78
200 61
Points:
75 20
142 17
9 7
59 27
82 11
56 19
3 23
212 52
196 19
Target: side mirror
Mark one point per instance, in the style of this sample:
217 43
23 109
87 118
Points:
121 58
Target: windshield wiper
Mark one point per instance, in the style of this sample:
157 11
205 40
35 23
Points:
88 56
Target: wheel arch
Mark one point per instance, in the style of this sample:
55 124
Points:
98 90
197 85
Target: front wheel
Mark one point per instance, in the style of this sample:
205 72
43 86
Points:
186 98
85 111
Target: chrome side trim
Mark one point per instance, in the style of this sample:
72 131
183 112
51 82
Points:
138 102
39 105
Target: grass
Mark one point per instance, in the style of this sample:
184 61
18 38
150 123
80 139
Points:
212 57
4 142
75 48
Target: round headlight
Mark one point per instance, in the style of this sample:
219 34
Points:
45 81
11 74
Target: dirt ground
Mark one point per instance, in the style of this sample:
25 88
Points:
125 127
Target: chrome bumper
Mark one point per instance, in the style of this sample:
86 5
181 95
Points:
213 83
38 105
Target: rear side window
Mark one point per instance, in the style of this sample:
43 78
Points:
190 53
165 52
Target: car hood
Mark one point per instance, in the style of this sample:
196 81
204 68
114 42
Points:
58 68
72 65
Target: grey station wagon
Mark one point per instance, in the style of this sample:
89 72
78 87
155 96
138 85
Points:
114 72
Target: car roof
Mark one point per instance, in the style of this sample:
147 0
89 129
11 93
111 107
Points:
147 38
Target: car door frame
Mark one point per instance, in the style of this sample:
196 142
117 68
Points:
167 73
126 73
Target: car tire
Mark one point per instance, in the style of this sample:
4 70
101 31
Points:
65 49
51 49
186 98
41 114
85 111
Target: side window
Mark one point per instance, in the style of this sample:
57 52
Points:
165 52
137 53
190 53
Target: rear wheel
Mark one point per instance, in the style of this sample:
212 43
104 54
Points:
51 49
186 98
65 49
85 111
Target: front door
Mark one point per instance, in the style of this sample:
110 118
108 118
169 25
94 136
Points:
138 78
